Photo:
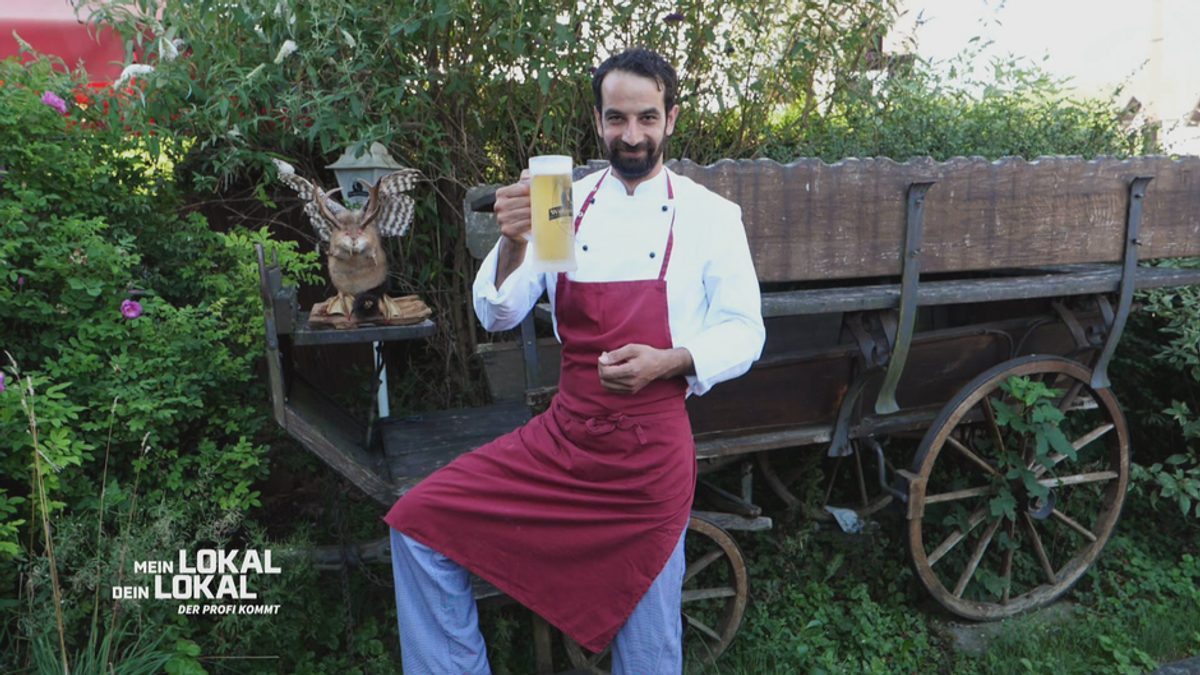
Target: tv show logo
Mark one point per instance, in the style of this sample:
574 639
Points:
212 575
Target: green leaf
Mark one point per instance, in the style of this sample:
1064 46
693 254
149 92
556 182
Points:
1004 504
1058 441
1030 481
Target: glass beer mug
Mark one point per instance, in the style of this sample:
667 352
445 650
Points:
553 215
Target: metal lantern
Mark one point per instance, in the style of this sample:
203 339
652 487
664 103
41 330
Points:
354 174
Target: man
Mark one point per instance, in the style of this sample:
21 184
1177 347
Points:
580 514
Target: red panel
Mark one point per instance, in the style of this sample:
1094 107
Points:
70 41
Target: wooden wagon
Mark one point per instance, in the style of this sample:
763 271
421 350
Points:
972 305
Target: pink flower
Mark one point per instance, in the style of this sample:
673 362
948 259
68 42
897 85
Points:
1 380
52 99
20 281
131 309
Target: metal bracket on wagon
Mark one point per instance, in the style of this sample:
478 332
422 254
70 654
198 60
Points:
913 232
902 488
1133 224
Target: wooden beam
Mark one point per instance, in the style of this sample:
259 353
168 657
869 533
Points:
811 220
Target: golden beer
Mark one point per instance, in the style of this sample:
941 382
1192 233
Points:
553 216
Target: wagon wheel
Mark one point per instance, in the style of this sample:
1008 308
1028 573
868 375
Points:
715 592
847 482
985 540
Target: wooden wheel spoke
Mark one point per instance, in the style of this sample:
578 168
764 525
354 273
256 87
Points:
701 563
700 626
970 454
1039 550
1063 481
976 555
708 594
973 520
993 427
837 464
858 474
1069 399
957 495
1056 458
1010 529
1073 524
795 474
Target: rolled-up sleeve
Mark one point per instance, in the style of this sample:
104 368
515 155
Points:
733 333
503 308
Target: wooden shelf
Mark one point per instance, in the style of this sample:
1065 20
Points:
305 336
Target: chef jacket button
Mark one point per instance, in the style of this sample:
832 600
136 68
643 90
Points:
651 254
585 247
664 208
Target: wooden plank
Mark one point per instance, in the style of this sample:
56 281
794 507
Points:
275 386
809 220
419 445
542 654
730 521
1087 281
482 228
304 335
740 443
768 396
337 443
711 495
504 366
1078 280
814 221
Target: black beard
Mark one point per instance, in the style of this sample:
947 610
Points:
634 168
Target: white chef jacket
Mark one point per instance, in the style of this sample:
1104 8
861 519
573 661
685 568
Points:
713 302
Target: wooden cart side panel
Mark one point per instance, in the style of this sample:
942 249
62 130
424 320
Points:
809 220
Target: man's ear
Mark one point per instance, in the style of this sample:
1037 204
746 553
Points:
599 127
671 117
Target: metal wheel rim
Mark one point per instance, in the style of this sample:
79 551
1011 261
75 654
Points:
935 440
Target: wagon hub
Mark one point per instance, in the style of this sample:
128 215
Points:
1041 507
1038 508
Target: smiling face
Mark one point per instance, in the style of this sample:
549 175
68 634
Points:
634 125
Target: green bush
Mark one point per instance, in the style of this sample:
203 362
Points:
164 389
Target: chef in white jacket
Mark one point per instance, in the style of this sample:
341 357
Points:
712 291
580 515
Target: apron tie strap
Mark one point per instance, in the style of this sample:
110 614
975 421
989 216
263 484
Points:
598 426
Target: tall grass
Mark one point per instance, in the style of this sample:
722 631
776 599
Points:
120 650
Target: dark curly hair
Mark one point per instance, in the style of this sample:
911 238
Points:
643 62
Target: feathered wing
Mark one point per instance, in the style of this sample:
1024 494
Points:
394 209
310 193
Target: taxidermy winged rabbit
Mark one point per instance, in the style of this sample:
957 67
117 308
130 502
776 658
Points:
358 265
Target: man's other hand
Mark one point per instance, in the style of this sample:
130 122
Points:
628 369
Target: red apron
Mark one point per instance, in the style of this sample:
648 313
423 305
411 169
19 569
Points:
575 514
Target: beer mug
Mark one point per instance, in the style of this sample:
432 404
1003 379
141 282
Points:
553 215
